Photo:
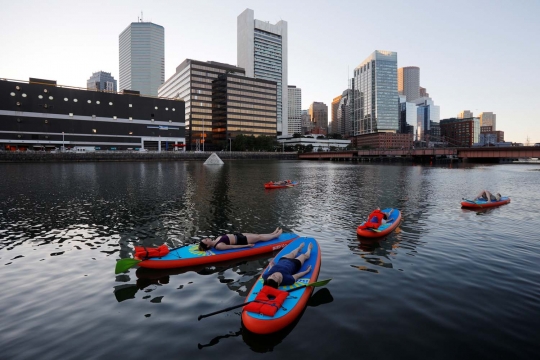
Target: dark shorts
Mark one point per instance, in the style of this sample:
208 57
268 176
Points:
296 262
240 239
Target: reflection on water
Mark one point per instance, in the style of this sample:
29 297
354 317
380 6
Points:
446 276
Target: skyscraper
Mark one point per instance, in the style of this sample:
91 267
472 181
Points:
409 82
488 119
318 113
465 114
262 51
376 100
295 110
334 124
102 81
142 57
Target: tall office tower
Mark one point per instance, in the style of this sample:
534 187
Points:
427 112
409 82
465 114
306 122
142 57
262 51
334 123
344 115
488 119
423 92
192 83
295 110
408 116
376 100
102 81
318 113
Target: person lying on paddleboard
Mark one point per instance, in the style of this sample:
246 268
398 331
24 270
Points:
375 219
487 196
238 240
285 272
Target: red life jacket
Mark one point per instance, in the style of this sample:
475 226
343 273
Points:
143 253
374 220
268 301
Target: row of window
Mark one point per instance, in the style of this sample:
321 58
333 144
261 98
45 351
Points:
259 101
251 123
245 93
251 106
88 101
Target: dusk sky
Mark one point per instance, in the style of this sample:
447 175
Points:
476 55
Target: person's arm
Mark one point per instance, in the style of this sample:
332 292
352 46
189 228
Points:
301 273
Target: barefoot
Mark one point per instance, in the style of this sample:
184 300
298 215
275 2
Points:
310 246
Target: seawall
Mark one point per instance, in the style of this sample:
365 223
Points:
41 157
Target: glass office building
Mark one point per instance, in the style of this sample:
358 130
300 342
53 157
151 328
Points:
262 51
101 81
142 58
376 101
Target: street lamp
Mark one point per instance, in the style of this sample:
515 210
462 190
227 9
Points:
63 146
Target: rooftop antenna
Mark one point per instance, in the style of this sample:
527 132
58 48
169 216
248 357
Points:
142 17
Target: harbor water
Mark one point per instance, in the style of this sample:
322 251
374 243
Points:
448 283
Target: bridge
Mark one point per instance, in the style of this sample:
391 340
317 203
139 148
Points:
473 153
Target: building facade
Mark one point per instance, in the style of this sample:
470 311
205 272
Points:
465 114
262 52
41 114
295 110
318 115
306 122
375 94
383 140
460 132
221 102
192 83
488 119
334 126
142 57
408 116
344 114
253 113
409 82
102 81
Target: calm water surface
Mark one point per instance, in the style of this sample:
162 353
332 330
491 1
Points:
448 283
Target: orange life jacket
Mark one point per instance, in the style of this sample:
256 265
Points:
268 301
143 252
374 220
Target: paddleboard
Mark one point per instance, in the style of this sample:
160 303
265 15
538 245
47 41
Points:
391 224
482 204
273 185
191 255
295 302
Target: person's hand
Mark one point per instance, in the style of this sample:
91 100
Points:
308 268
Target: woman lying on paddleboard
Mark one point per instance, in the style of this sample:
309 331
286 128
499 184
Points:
238 240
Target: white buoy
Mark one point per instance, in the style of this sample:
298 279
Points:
213 160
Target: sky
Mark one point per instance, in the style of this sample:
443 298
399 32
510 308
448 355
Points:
475 55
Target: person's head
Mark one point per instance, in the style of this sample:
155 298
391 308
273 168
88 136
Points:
205 244
385 216
274 280
498 196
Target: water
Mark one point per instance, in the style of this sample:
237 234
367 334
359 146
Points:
449 283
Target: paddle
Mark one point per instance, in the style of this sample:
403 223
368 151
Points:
314 284
125 264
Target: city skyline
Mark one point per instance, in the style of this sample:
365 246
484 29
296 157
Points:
464 66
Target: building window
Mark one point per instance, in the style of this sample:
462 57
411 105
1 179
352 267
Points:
94 131
39 96
98 102
75 100
51 98
12 94
89 101
130 105
71 114
23 95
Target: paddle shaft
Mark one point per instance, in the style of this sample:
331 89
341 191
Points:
244 304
